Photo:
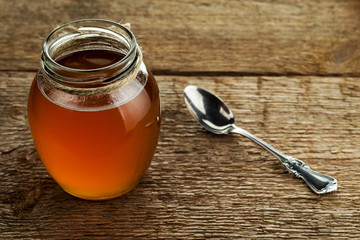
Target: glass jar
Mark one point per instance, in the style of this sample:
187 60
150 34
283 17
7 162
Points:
94 109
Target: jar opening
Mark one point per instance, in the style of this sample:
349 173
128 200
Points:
85 35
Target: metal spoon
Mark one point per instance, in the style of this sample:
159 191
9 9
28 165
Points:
213 114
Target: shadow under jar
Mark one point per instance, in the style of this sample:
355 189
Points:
94 109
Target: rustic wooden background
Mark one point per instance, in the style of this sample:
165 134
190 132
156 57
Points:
290 70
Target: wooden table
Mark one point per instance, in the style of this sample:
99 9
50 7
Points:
290 70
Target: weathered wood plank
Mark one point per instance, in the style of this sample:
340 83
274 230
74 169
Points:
244 37
201 185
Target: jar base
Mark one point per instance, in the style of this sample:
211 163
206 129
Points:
100 198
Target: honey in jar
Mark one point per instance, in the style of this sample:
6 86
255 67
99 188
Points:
94 109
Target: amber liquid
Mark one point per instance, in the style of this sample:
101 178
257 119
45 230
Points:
96 155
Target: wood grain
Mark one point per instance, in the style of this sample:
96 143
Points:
249 37
201 185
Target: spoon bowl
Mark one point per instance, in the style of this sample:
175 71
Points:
209 110
214 115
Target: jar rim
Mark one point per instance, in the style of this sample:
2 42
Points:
132 43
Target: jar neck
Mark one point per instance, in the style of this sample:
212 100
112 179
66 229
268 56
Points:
89 35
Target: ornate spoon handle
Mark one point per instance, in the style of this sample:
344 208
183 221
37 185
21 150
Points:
318 182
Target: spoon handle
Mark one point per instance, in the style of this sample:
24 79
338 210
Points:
318 182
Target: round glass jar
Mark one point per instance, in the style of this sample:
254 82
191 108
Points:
94 109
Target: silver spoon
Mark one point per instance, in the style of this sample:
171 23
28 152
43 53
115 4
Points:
213 114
